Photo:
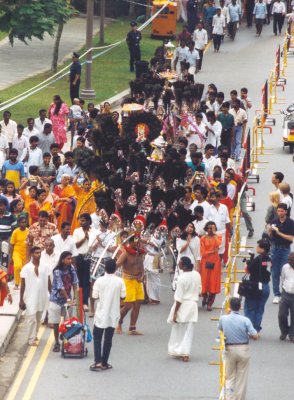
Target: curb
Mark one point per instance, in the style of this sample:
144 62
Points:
11 331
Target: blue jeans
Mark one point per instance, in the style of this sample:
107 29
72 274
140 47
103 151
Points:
279 259
236 142
254 308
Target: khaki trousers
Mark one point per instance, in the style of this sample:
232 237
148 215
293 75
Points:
33 323
237 364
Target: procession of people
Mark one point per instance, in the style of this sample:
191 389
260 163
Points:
110 200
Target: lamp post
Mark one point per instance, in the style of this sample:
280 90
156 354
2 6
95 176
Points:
88 92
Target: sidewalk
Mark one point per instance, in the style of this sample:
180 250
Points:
22 61
9 317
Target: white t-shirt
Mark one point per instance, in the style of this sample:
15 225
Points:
220 216
27 133
36 287
50 260
106 238
9 130
213 138
108 290
78 235
35 157
39 125
199 226
205 205
65 245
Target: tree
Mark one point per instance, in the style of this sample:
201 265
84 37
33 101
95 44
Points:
25 19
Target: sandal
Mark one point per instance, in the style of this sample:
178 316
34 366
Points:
107 366
56 348
95 367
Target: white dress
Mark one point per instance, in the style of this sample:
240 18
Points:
152 266
187 293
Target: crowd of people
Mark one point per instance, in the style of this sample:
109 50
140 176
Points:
88 194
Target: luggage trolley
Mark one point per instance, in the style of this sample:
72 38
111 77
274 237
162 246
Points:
73 335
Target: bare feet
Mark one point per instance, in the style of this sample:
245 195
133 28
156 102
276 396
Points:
135 333
118 329
186 358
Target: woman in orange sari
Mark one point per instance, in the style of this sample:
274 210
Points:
227 201
210 265
40 205
66 202
4 289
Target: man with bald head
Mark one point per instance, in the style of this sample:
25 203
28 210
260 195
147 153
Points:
49 255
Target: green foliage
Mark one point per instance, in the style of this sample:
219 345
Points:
25 19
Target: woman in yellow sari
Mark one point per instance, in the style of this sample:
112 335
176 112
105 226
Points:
66 202
85 199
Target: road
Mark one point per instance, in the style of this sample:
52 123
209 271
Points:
22 61
142 369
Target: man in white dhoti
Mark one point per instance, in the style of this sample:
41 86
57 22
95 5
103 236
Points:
184 312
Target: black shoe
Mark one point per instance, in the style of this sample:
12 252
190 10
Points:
283 336
132 70
251 233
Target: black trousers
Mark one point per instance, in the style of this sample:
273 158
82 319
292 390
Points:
249 11
286 305
217 39
232 29
268 17
74 91
135 55
200 59
102 354
259 25
278 22
83 271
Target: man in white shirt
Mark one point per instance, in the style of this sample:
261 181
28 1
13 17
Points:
63 241
3 148
20 142
219 214
181 54
240 117
35 284
218 29
224 10
279 12
199 221
213 130
193 59
41 121
109 290
196 133
200 193
50 256
209 159
32 155
286 305
9 127
201 39
30 130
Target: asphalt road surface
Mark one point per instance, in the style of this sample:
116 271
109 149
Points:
142 370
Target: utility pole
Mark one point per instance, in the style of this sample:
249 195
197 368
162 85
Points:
102 20
88 92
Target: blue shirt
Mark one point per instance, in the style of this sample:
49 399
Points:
236 328
234 12
260 11
209 12
63 278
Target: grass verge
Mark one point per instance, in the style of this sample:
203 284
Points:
110 74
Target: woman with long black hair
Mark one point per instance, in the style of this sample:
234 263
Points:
58 114
64 280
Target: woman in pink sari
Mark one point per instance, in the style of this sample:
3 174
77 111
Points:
58 113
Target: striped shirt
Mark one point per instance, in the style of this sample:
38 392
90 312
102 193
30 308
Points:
7 224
